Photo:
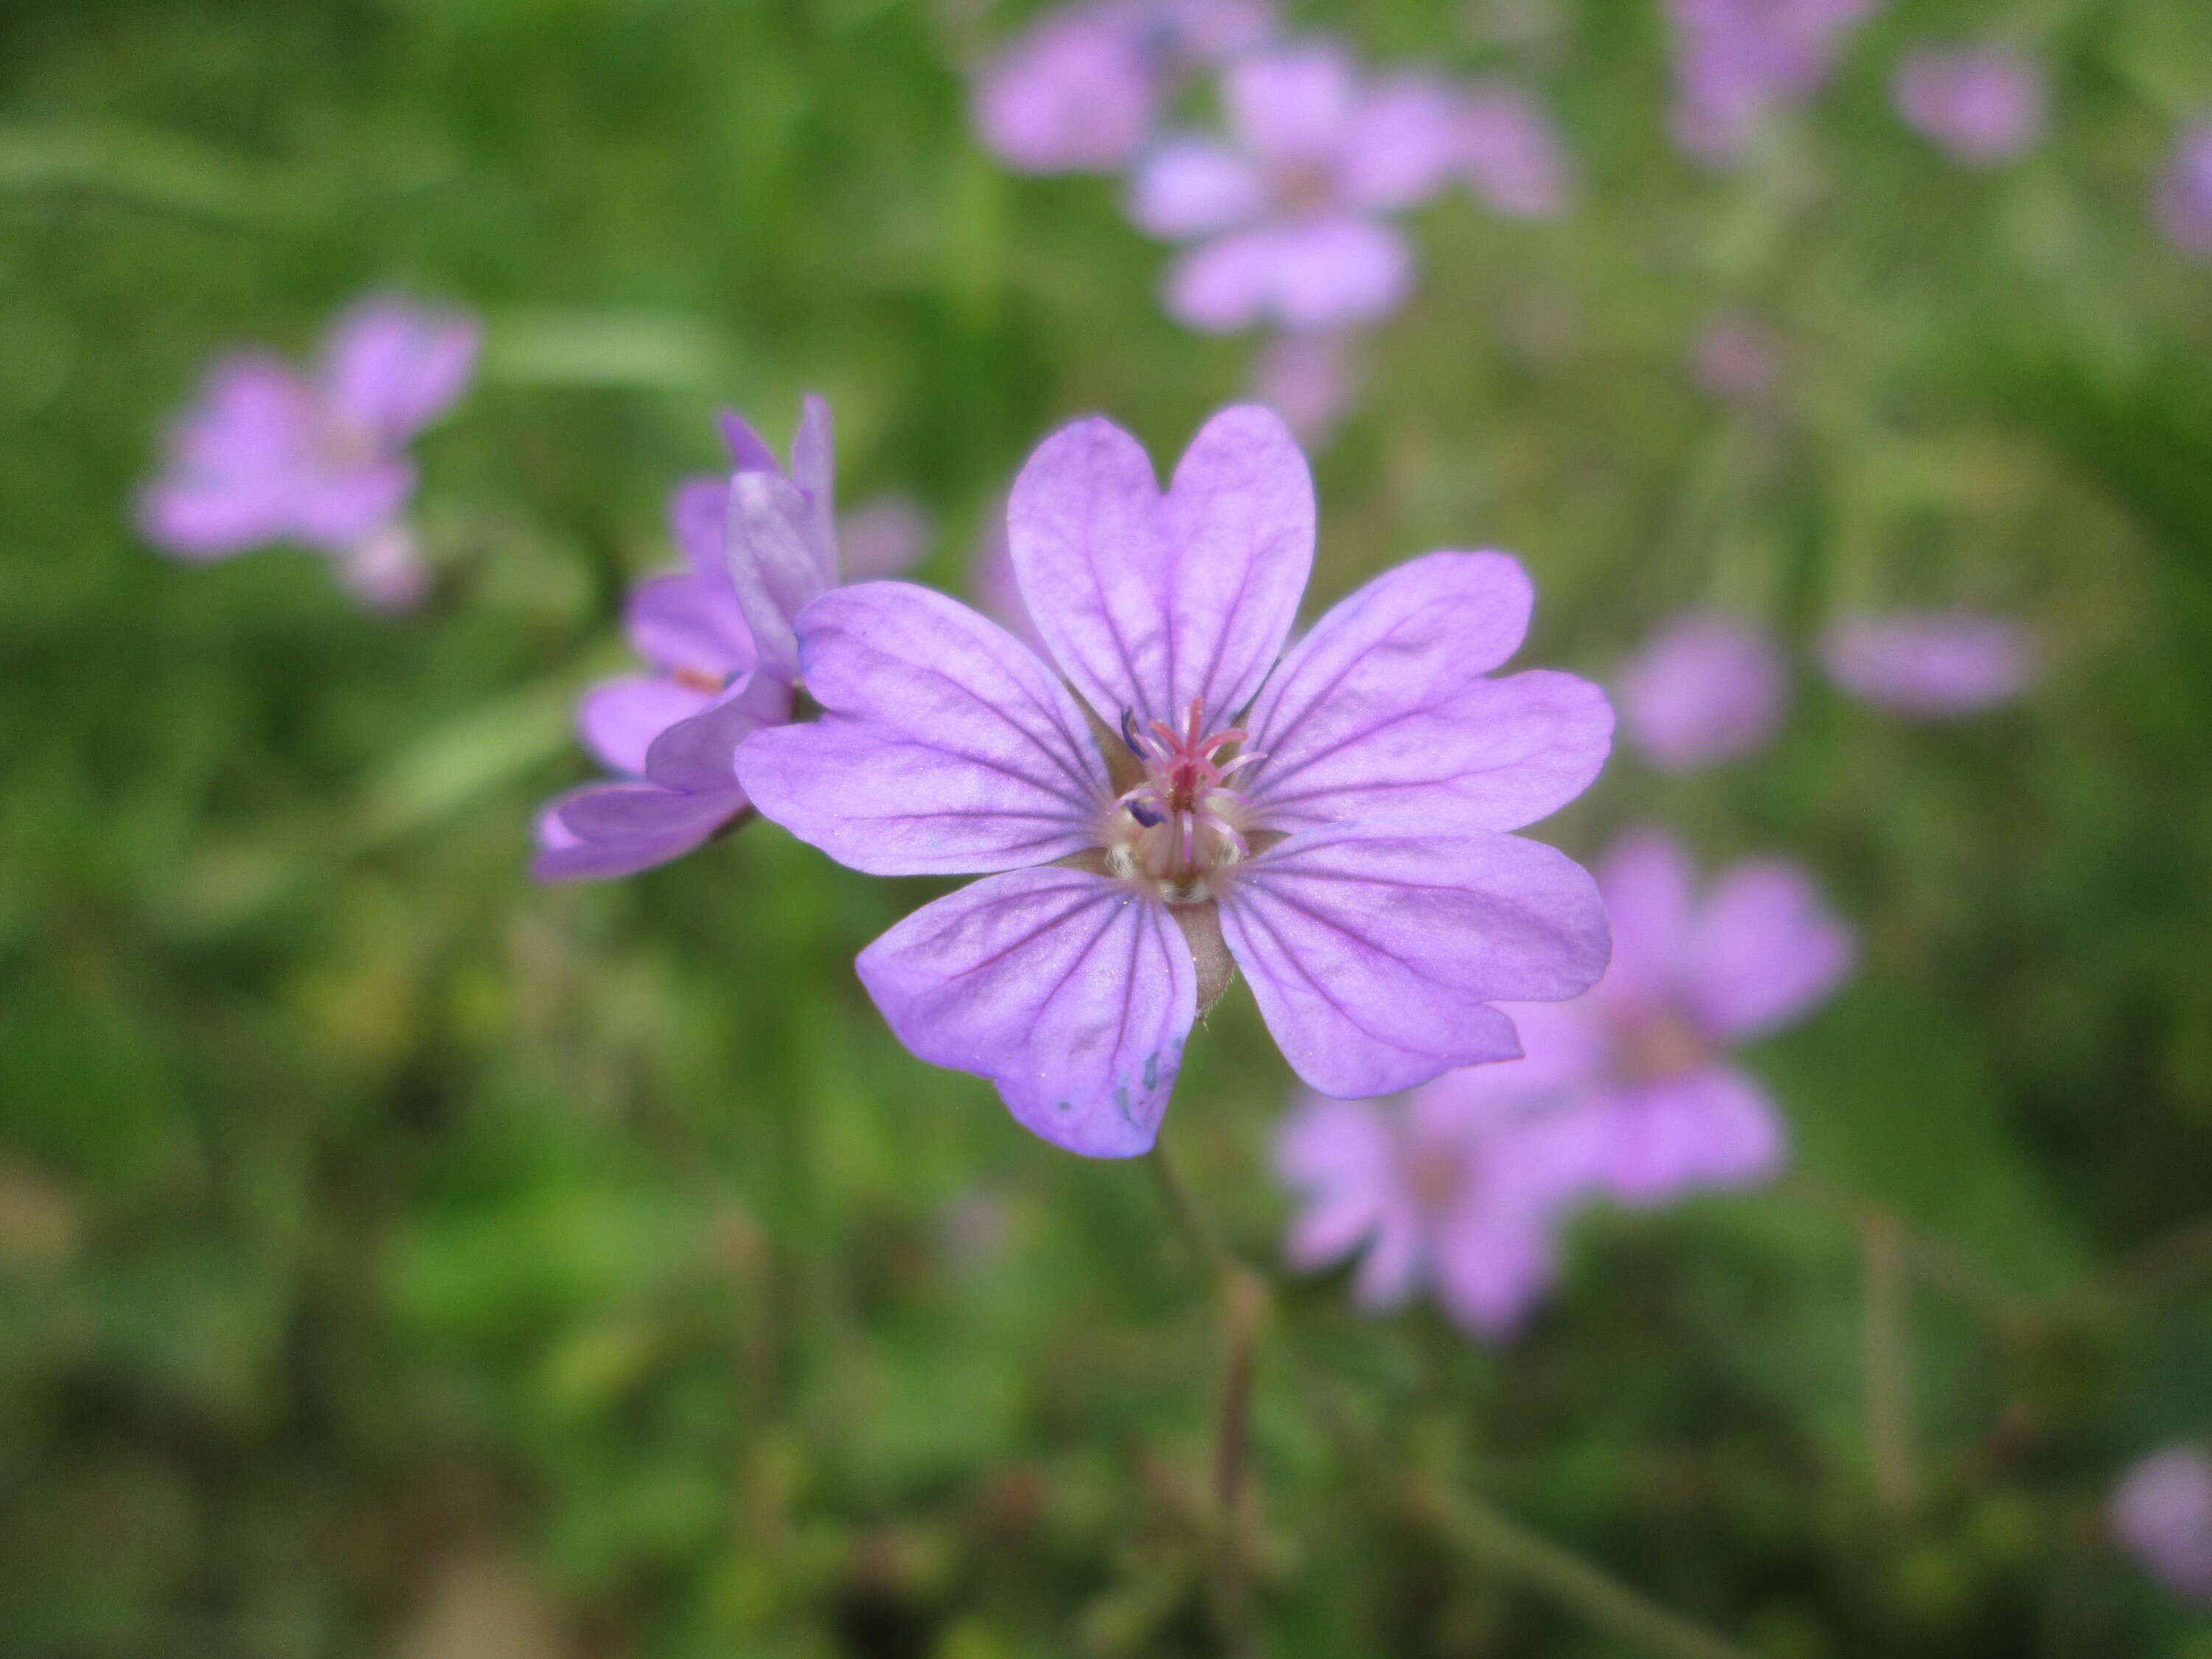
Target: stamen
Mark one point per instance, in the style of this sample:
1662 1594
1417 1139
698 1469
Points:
1143 814
1130 732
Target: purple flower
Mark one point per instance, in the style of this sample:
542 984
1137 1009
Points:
1981 104
1510 154
1705 688
1736 358
1934 664
1286 212
996 590
1310 380
1629 1093
1736 61
268 454
2163 1511
2184 193
1078 91
718 637
1339 840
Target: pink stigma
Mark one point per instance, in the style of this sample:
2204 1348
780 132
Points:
1183 821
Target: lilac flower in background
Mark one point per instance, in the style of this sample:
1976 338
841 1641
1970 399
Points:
1079 91
1933 663
1510 154
1738 62
996 590
717 636
1705 689
881 538
1736 358
1166 804
1629 1093
1981 104
267 453
2184 193
1286 213
1310 380
2163 1511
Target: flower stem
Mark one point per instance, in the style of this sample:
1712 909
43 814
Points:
1889 1443
1495 1539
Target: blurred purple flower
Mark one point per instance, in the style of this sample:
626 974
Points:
268 454
992 584
1510 153
1343 847
1705 688
1981 104
1931 663
1310 380
718 637
881 538
2163 1511
1287 212
1080 90
1736 358
2184 193
1628 1092
1736 61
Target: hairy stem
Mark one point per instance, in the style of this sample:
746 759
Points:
1889 1443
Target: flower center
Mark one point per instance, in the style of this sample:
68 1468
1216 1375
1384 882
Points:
1655 1047
1179 827
1433 1174
1305 186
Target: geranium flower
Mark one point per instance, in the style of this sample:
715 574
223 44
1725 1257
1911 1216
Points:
1079 90
1705 689
1934 664
1629 1093
1981 104
2163 1511
1287 211
1736 61
757 549
1185 805
1510 154
1310 380
269 454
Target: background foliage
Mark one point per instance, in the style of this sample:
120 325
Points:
397 1257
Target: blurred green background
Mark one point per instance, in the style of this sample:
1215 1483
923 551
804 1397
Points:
399 1258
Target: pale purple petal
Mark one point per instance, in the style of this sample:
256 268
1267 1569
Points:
1494 1263
619 720
698 754
385 570
390 368
1342 1157
1191 186
882 537
1982 105
1648 880
1383 712
1076 93
749 451
1332 271
1293 104
1762 951
335 508
1705 688
814 470
234 462
1148 602
1708 1128
944 746
1399 143
639 811
1932 664
1510 155
1566 1053
1200 32
2163 1511
627 838
1310 380
2184 196
1066 990
690 624
698 523
1375 953
773 567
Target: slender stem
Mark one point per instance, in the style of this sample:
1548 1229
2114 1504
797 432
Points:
1197 1232
1495 1539
1889 1443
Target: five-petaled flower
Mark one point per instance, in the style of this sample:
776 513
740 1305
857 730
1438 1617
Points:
1629 1093
269 454
1333 824
757 549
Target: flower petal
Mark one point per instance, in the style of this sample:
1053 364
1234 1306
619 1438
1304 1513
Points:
1762 950
698 523
1293 103
1342 1157
749 451
1647 880
1326 272
1494 1263
1148 603
629 811
1066 989
1190 186
1384 711
814 470
336 507
698 754
390 368
1375 953
775 568
1401 143
881 538
619 720
1713 1127
944 746
689 624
